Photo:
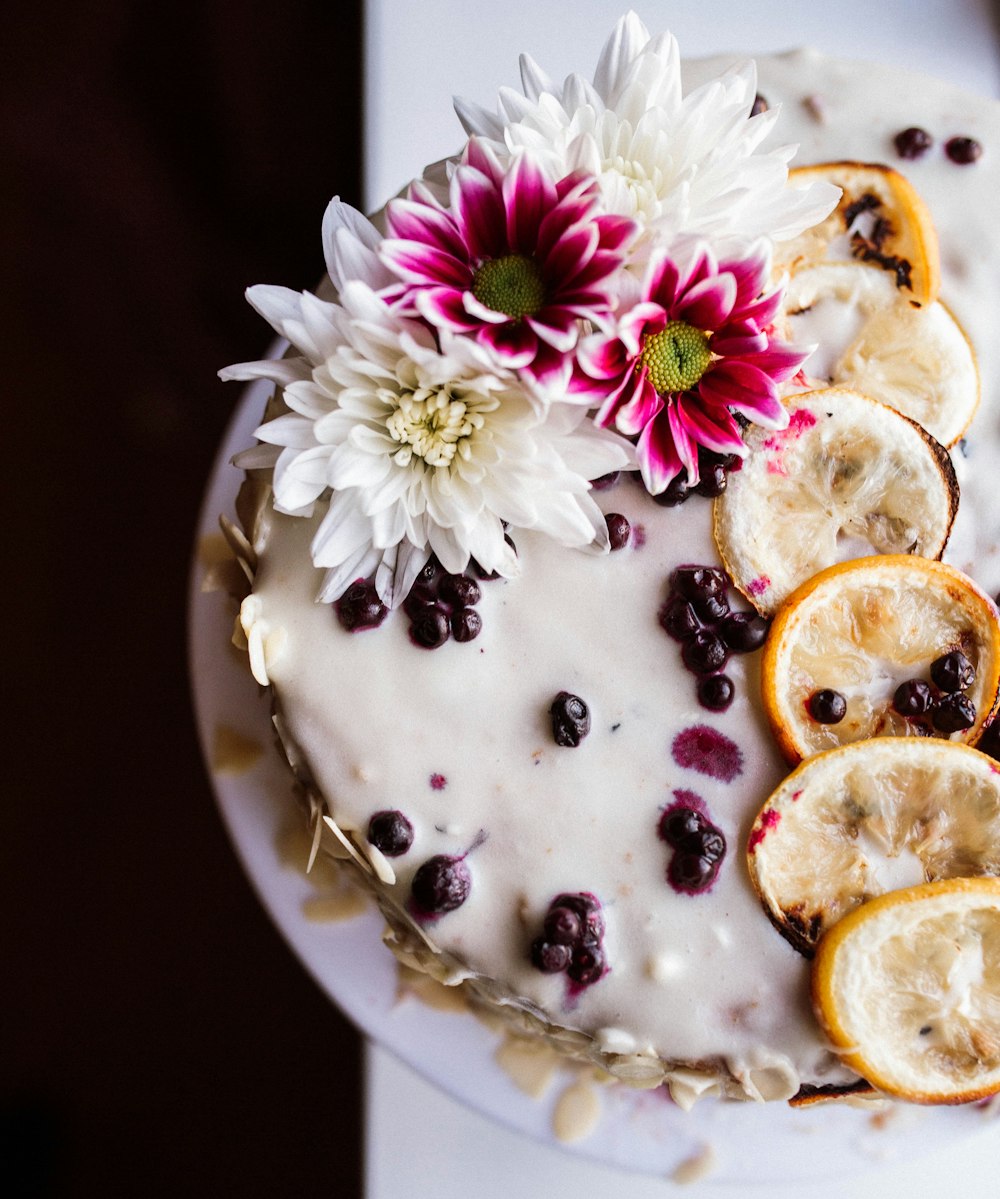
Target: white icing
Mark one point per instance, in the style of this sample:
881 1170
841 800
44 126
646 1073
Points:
694 978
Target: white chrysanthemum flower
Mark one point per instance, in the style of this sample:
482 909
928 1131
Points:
677 164
413 445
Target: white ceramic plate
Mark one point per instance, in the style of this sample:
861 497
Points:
638 1130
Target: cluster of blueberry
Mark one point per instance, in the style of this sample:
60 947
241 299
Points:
943 707
442 605
713 471
915 142
698 846
697 614
439 606
572 940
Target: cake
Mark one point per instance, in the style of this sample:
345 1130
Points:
482 511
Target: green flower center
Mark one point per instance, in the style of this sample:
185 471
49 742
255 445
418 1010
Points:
675 358
511 285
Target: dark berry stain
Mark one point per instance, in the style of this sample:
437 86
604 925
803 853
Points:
709 752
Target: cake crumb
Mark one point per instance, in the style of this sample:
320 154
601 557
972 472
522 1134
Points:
697 1167
232 752
577 1112
344 905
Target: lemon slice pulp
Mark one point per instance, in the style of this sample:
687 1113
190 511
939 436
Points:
917 360
907 988
849 477
868 818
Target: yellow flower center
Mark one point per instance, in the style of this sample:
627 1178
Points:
431 425
675 358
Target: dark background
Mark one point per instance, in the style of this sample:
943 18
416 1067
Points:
156 1036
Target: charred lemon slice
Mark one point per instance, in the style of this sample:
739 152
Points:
847 478
907 988
868 818
917 360
844 644
880 220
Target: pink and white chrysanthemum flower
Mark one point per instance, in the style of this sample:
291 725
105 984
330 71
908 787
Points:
677 164
698 347
399 442
515 261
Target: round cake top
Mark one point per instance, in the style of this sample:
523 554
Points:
529 768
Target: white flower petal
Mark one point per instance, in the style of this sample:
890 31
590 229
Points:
282 371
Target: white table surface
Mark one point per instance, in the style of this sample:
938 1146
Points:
419 53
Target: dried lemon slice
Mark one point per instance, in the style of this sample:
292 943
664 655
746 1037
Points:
846 478
907 987
917 360
844 642
880 219
867 818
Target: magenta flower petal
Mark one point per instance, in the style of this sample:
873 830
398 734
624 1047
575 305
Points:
711 425
659 461
424 264
685 441
749 390
514 345
442 308
708 303
781 362
479 214
527 197
632 416
410 221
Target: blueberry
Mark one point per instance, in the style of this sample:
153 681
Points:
429 626
679 825
744 632
704 653
711 845
913 142
563 926
466 624
549 958
760 105
419 597
712 608
675 492
679 619
913 698
586 964
570 719
429 571
390 832
360 607
699 582
587 907
715 692
954 713
691 871
990 741
619 530
953 671
442 884
606 482
827 706
963 150
459 590
713 481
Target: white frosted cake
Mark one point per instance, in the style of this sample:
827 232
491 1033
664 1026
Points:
498 434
